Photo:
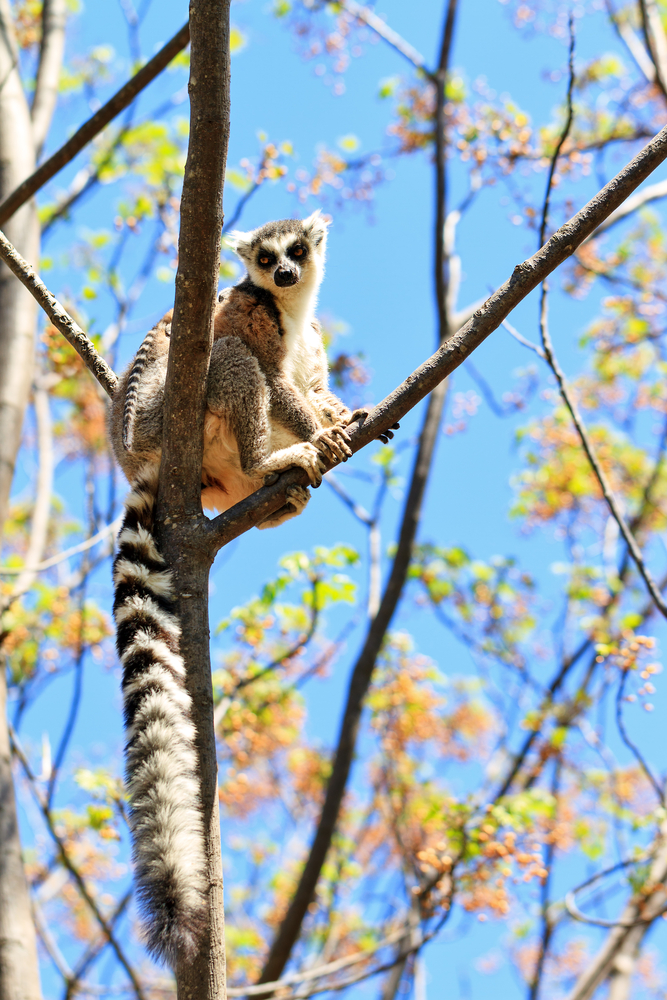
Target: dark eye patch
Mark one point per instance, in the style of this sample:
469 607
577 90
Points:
298 252
266 259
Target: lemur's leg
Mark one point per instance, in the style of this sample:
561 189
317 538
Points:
237 391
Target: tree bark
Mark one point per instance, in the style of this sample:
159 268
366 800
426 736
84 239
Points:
179 515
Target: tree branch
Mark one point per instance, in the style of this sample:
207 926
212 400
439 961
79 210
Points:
651 193
61 319
644 906
94 125
54 16
382 29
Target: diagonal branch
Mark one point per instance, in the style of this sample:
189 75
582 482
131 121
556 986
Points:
94 125
61 319
525 277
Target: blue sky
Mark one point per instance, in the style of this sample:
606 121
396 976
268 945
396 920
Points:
379 283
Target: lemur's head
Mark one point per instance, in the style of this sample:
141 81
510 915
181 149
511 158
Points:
280 255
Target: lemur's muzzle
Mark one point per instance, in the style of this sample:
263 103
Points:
284 277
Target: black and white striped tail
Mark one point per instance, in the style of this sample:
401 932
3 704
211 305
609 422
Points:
132 391
160 754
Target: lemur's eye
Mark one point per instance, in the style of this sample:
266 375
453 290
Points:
266 259
298 251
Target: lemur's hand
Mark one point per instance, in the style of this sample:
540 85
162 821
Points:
384 436
334 443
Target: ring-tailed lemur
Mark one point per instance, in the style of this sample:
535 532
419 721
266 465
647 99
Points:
268 408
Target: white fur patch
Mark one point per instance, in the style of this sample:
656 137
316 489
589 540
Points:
159 582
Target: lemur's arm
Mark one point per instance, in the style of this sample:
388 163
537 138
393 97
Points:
329 408
291 409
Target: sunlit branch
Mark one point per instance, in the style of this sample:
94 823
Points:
653 192
522 340
320 972
71 867
51 50
656 42
94 125
641 910
61 319
75 550
382 29
631 40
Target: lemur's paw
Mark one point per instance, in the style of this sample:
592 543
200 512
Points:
334 443
307 457
384 436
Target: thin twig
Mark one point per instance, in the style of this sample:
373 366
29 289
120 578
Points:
60 318
600 475
94 125
563 136
659 791
75 550
71 867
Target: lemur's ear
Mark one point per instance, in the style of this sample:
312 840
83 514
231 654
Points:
316 226
238 242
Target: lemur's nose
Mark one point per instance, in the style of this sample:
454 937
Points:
284 277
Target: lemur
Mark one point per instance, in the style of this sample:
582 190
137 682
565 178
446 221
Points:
268 408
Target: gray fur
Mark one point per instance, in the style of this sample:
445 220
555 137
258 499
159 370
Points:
268 408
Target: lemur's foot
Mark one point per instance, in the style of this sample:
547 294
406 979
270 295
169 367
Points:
304 455
297 498
384 436
334 443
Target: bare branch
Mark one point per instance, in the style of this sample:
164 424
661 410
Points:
54 16
61 319
563 136
94 125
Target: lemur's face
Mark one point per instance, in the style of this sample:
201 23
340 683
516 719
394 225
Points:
281 255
